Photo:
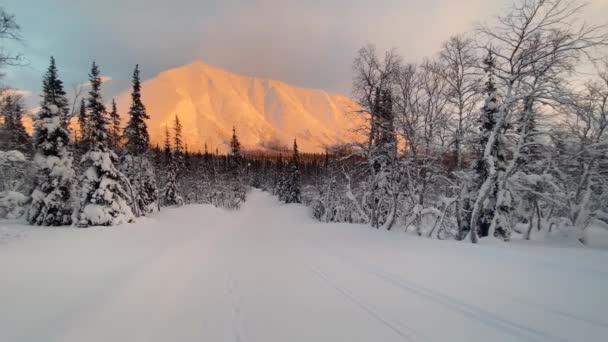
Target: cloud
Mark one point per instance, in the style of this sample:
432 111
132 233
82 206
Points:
18 92
309 43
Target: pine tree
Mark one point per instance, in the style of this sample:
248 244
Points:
115 135
51 199
293 186
103 201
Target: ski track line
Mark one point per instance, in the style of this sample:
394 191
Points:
378 317
237 319
557 312
473 312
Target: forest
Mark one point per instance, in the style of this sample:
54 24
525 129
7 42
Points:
502 134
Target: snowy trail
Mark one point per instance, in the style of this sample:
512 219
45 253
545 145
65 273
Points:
270 273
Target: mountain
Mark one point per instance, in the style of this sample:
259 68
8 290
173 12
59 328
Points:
265 113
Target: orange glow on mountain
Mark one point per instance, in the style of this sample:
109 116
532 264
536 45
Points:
210 101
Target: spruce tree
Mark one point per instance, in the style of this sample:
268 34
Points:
178 146
236 188
82 126
15 136
170 194
136 164
51 200
136 131
488 158
115 135
103 200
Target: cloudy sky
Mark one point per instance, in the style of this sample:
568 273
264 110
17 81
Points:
309 43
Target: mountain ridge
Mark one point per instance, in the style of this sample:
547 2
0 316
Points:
266 113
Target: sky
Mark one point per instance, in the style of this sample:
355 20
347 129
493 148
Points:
309 43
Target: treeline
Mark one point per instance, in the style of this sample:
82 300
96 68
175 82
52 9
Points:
106 174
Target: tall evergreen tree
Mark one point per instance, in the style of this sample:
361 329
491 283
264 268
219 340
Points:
293 185
170 194
136 164
167 147
103 199
236 187
136 131
115 135
178 145
488 158
15 136
51 200
82 126
235 145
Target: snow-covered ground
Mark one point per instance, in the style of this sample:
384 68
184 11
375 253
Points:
270 273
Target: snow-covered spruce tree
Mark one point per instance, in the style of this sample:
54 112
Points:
14 135
170 194
51 200
278 178
293 185
178 146
136 131
103 200
485 166
114 128
136 164
83 136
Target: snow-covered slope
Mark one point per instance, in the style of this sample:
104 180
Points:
209 101
268 272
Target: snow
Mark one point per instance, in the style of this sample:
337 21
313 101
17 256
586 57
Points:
7 157
268 272
12 204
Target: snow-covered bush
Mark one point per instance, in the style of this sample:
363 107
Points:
12 204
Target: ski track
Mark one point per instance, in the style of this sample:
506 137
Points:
270 273
404 333
239 330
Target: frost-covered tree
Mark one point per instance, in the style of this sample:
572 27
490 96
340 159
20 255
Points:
372 85
52 200
579 161
103 200
234 184
170 193
537 46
